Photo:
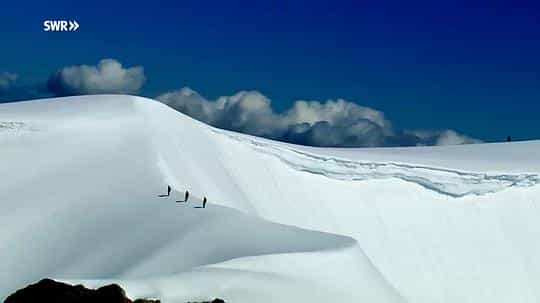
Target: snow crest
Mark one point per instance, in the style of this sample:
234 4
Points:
81 202
454 183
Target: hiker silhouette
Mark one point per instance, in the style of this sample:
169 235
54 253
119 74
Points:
204 202
186 197
168 192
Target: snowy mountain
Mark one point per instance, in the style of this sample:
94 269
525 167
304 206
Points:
80 179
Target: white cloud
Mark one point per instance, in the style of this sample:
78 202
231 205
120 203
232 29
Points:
330 123
441 137
7 80
450 137
108 76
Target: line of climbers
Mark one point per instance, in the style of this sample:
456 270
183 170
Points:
186 197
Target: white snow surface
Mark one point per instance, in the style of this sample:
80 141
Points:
80 179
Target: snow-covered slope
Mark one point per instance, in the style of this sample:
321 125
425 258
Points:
80 179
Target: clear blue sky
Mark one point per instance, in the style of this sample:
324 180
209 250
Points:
470 66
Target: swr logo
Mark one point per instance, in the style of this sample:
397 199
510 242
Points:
60 25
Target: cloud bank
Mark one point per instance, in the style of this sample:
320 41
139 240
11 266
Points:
107 77
337 123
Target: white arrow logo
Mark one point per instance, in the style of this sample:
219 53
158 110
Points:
73 25
60 25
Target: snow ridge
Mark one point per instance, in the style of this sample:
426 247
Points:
454 183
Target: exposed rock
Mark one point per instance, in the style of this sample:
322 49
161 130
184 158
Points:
110 293
48 290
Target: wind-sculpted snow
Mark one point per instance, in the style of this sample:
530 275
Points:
450 182
79 201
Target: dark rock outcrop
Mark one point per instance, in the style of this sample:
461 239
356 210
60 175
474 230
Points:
51 291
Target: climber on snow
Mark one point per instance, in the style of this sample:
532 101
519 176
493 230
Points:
168 192
186 196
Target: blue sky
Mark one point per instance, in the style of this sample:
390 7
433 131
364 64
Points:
469 66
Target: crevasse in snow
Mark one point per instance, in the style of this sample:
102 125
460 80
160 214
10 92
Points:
450 182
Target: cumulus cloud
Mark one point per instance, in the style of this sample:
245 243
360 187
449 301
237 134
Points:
7 80
330 123
107 77
337 123
442 137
